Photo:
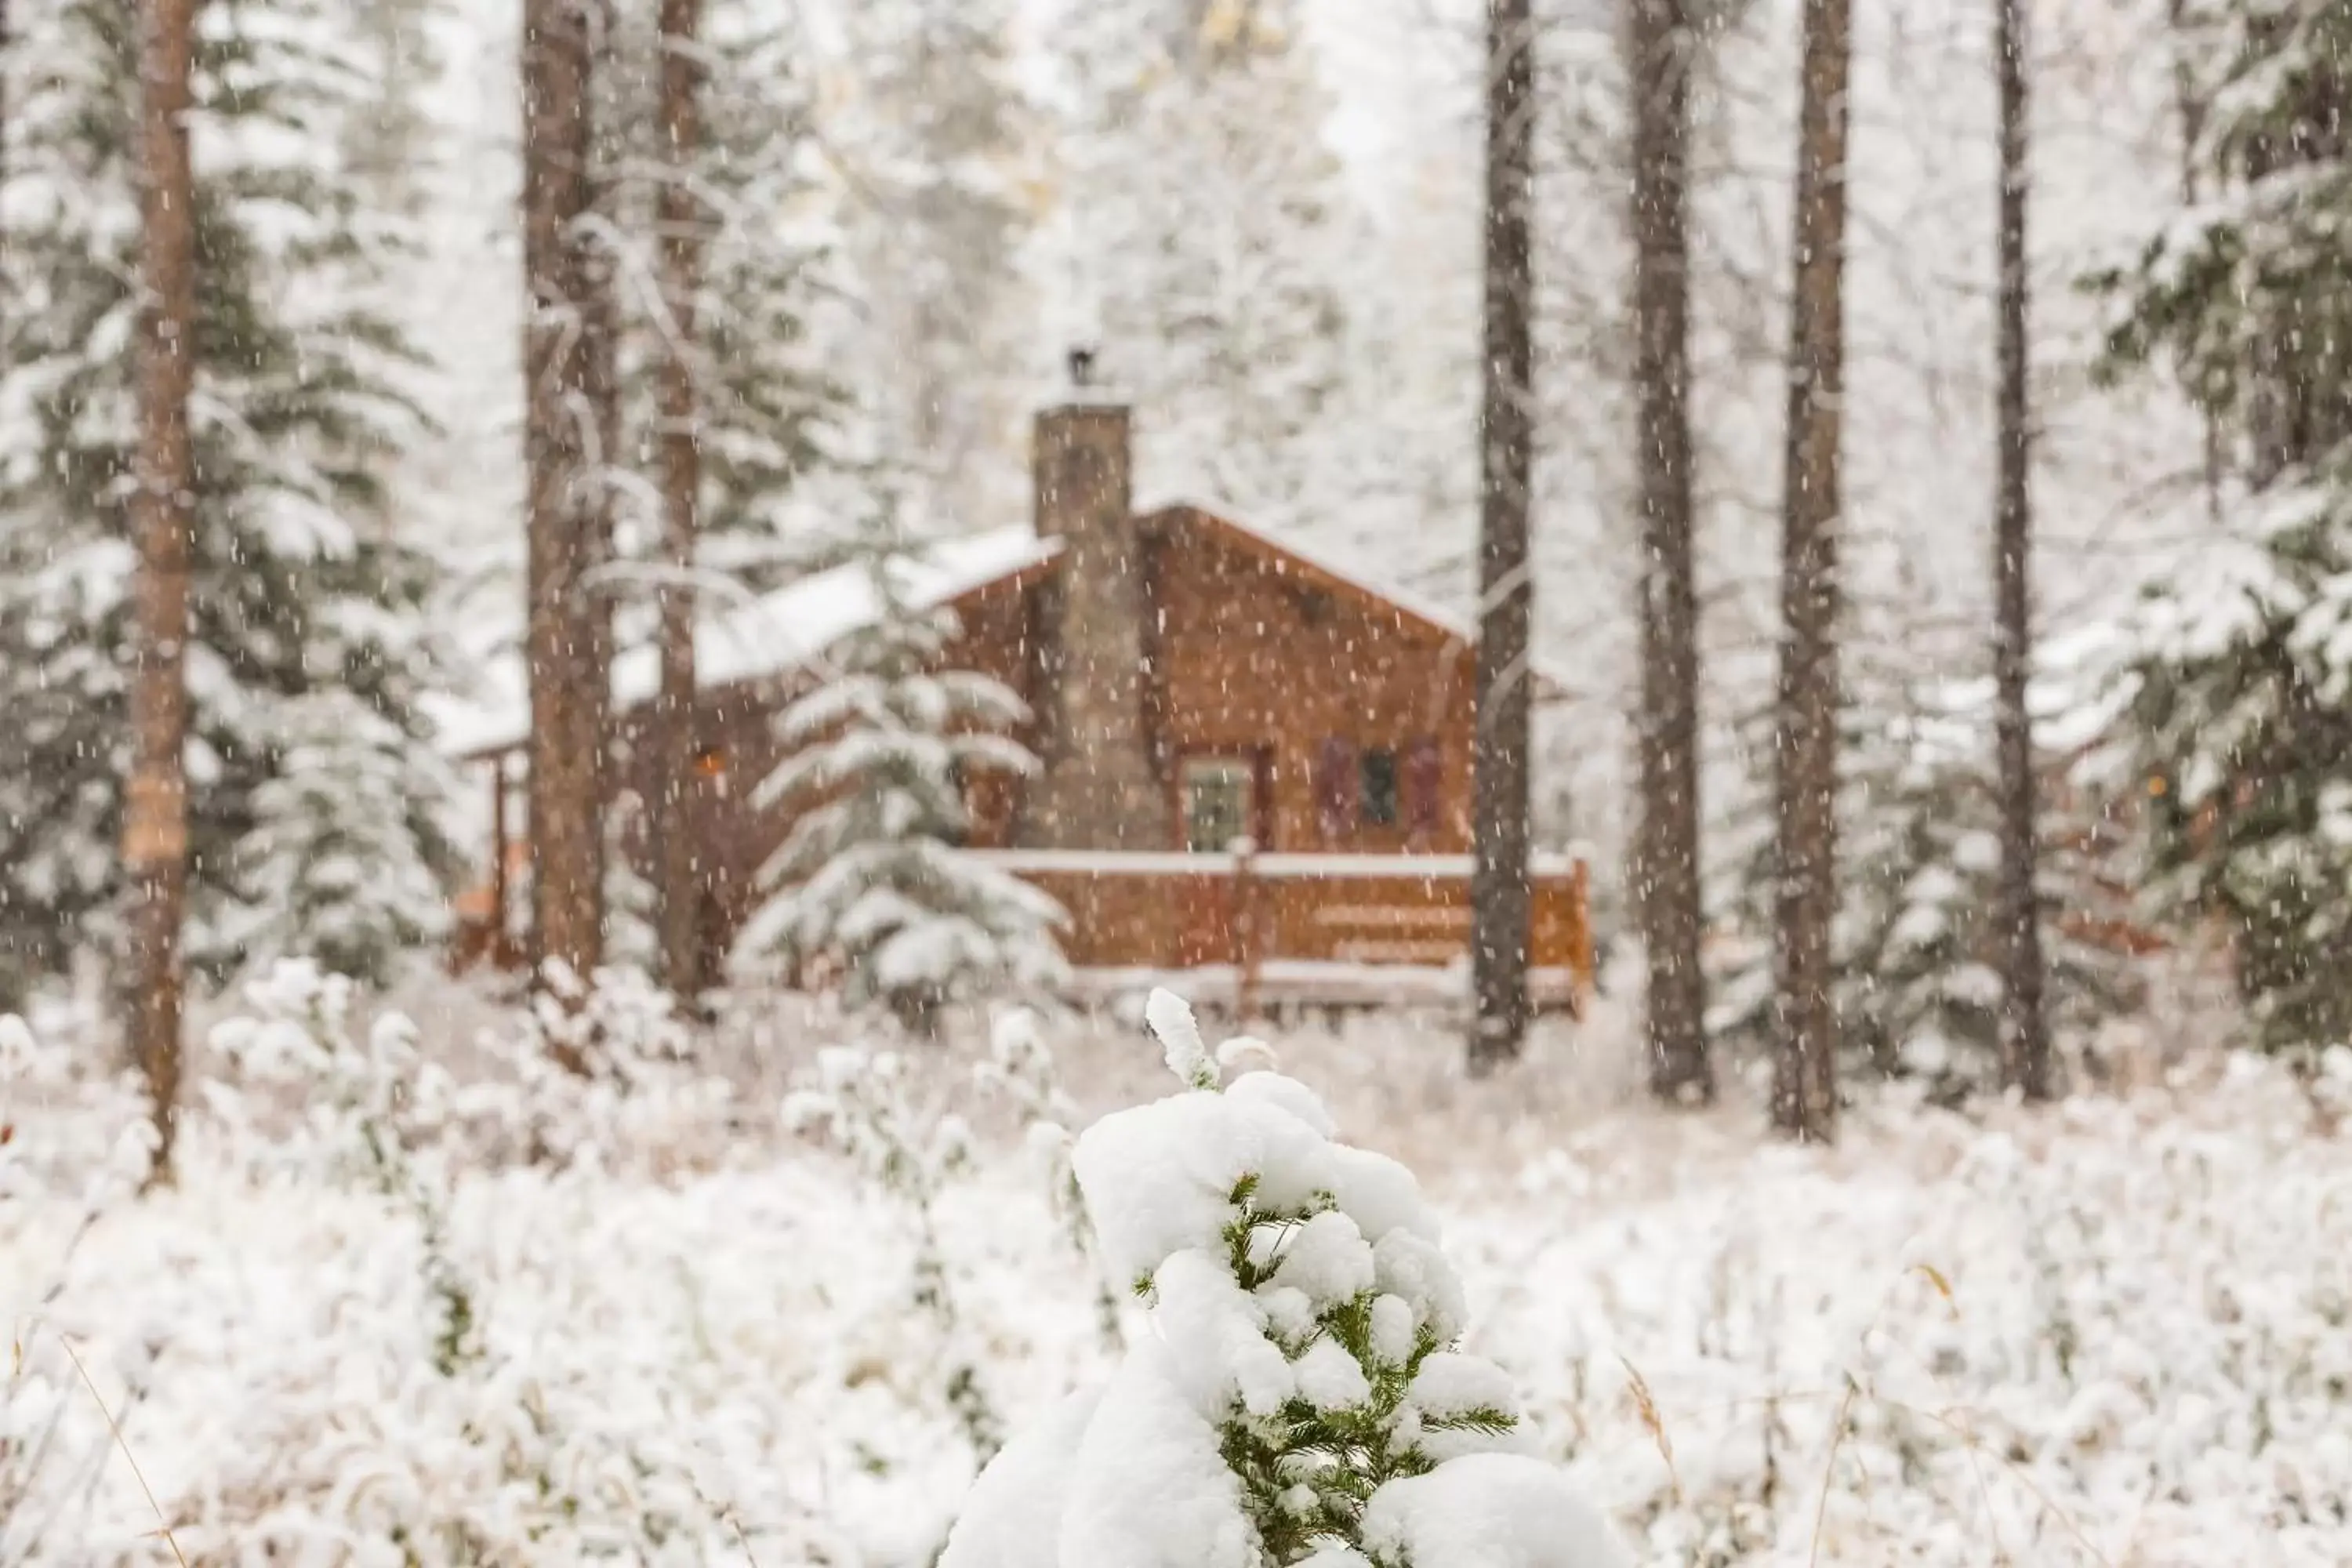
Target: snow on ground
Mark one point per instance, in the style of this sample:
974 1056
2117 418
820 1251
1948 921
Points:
2115 1332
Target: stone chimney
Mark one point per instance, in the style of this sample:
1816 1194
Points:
1098 789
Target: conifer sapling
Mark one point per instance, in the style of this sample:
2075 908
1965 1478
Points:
1302 1397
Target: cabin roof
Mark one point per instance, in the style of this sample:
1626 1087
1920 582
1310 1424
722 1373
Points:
759 637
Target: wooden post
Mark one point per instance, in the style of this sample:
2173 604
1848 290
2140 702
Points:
498 949
1247 942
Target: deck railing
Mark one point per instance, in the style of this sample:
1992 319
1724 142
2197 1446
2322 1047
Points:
1307 927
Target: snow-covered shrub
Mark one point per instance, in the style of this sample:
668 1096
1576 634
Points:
859 1097
1020 1069
47 1165
869 877
1303 1398
599 1072
369 1110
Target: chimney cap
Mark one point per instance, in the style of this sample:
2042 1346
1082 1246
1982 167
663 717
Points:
1085 386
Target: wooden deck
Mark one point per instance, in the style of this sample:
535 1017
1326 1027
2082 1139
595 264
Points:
1244 929
1309 929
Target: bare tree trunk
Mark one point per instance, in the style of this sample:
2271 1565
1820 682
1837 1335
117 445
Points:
565 768
1500 895
1667 874
1804 1087
595 238
2024 1028
676 816
155 818
2188 103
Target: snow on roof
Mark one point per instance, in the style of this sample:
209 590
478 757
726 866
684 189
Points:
753 639
1412 605
1547 675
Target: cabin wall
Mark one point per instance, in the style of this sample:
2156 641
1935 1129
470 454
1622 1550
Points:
1257 660
1248 657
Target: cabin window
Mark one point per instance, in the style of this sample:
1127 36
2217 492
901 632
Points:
1377 789
1219 794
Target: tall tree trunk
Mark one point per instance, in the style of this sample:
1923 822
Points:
155 819
1804 1086
2024 1028
677 803
1500 896
565 836
1667 872
595 238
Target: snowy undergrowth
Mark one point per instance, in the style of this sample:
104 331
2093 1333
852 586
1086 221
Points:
2115 1333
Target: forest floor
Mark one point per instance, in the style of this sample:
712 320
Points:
2115 1331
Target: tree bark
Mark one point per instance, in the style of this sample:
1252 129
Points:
565 769
676 806
595 238
2024 1026
1667 875
156 816
1804 1087
1500 896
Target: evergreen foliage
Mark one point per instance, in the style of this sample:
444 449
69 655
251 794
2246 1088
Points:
940 148
1917 944
2240 675
1209 233
767 409
303 601
877 759
1304 1399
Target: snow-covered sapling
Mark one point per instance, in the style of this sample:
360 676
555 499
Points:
876 766
1021 1068
858 1098
372 1105
1303 1397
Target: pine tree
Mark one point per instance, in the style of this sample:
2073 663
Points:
297 599
1206 243
2025 1035
680 214
1305 1399
2241 678
1501 811
769 413
569 685
1804 1091
1666 879
723 410
348 858
1920 932
869 876
163 520
940 148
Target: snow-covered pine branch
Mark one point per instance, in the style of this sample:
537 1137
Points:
1303 1398
868 875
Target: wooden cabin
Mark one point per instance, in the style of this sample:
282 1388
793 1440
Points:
1253 762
